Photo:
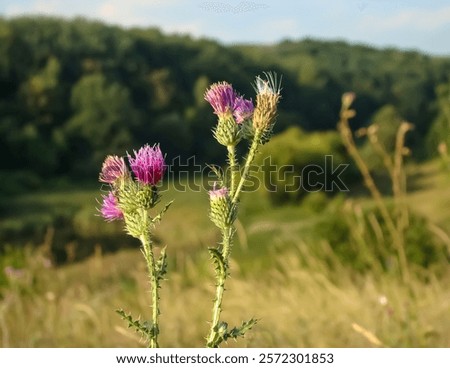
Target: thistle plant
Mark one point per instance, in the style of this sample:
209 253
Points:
237 119
131 199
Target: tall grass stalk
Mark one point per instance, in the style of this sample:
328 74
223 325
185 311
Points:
397 221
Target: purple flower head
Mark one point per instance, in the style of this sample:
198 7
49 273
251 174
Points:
148 165
216 194
110 208
222 98
243 109
113 168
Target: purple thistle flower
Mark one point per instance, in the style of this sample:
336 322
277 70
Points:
222 98
148 165
113 168
243 109
215 194
110 208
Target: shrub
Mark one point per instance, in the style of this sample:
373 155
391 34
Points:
301 162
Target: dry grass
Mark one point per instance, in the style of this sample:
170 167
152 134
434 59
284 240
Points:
300 302
302 298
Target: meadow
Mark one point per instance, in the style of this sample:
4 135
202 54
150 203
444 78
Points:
366 267
288 271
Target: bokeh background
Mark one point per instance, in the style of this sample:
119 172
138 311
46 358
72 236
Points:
81 80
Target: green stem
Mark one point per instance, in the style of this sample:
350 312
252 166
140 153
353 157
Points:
213 340
151 267
233 167
248 162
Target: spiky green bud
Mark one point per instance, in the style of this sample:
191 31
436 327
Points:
227 131
222 210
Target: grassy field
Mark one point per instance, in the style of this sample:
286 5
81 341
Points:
285 271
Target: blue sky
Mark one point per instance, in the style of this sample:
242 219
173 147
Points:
407 24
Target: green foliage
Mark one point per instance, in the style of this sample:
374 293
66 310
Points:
103 120
12 259
296 162
324 70
70 91
440 129
358 237
386 120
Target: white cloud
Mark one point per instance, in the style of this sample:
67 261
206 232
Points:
120 12
283 26
414 19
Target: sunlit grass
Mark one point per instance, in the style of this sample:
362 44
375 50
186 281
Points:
300 303
282 266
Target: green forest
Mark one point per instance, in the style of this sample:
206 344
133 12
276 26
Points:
73 91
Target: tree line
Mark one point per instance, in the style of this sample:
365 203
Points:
72 91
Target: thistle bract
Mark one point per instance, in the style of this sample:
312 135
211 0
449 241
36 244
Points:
227 132
222 211
148 165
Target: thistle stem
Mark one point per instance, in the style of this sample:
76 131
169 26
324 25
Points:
233 168
151 267
214 339
248 162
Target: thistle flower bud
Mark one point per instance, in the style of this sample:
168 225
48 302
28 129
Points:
136 195
227 132
228 106
148 165
113 169
222 212
110 208
267 98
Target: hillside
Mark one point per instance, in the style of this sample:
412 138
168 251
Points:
73 90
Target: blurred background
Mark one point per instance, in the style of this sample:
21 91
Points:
81 80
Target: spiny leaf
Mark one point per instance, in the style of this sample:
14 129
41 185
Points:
240 331
159 216
218 260
161 265
133 224
216 170
146 329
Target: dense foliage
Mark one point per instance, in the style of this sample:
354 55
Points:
70 91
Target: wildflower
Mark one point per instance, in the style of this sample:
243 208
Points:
243 109
267 98
218 194
222 98
148 165
113 168
222 212
110 208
